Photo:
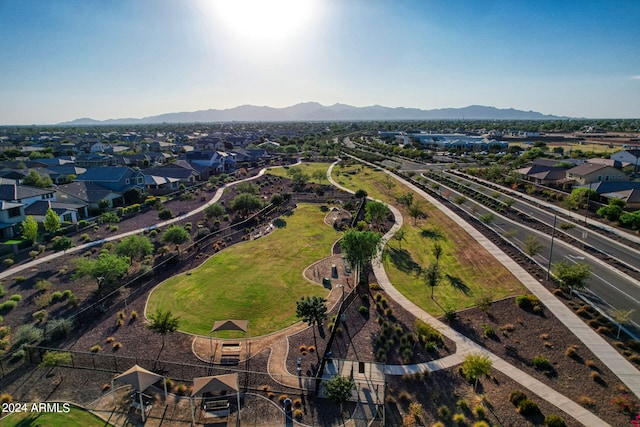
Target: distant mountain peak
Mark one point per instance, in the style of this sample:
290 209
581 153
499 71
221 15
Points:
314 111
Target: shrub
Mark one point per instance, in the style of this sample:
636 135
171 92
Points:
541 363
27 334
282 398
6 398
40 315
527 301
297 414
16 297
8 306
595 376
165 214
374 286
56 296
34 254
43 285
553 420
62 243
116 345
444 412
516 396
363 310
8 262
571 351
427 333
19 279
134 315
480 411
96 348
528 407
3 291
4 331
462 404
180 389
459 419
42 300
59 328
586 401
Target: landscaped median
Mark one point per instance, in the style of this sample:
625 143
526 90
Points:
258 280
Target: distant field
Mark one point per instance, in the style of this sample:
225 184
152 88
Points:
601 149
259 280
471 270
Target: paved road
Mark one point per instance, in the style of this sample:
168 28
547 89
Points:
608 288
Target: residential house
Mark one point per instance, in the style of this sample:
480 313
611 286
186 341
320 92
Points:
14 199
182 171
159 185
629 191
67 212
11 215
631 157
543 175
100 147
95 160
159 146
87 193
115 178
591 172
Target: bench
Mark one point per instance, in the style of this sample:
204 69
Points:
231 348
217 408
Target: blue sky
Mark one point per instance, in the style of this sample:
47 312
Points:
63 60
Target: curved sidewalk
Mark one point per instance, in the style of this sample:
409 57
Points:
463 344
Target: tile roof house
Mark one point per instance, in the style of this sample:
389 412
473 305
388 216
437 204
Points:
627 156
543 175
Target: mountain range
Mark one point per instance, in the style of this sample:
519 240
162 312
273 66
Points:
313 111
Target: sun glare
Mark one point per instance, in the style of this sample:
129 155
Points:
263 22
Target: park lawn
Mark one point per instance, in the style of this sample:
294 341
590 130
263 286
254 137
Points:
308 168
258 280
468 270
74 418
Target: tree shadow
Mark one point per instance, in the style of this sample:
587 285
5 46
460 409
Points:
401 259
459 284
432 234
279 223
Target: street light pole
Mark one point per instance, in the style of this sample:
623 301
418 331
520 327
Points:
553 235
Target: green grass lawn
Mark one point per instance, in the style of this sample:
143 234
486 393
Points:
75 418
258 280
468 271
308 168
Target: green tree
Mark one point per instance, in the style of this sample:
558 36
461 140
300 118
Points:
313 311
163 322
29 229
107 268
406 199
34 179
416 212
176 235
135 247
400 235
339 389
613 210
532 246
631 219
359 248
579 196
214 210
52 359
244 203
572 276
476 365
51 221
62 243
432 276
319 175
437 251
361 194
376 213
622 317
389 184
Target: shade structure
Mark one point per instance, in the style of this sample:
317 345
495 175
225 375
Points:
201 385
228 382
140 379
230 325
